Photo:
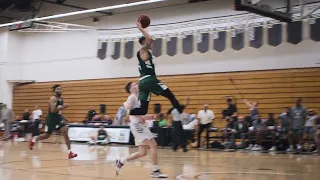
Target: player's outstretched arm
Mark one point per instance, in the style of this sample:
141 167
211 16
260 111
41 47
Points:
145 33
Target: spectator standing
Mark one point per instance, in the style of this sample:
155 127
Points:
286 127
232 108
298 114
178 138
91 113
253 108
309 129
6 118
36 114
36 120
205 117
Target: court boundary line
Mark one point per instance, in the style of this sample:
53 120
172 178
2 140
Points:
180 177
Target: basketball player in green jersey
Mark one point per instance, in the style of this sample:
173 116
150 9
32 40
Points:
54 120
149 82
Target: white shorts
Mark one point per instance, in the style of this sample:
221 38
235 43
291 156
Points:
139 131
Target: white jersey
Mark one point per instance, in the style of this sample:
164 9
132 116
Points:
139 130
131 103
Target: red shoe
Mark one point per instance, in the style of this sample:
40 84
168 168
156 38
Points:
31 144
72 155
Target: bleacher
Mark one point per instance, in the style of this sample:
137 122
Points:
273 89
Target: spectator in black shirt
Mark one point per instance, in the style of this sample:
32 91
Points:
91 113
232 108
26 115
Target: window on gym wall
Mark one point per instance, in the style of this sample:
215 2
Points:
187 44
256 39
128 50
116 54
315 29
220 41
102 51
238 39
275 35
157 47
203 46
172 46
294 31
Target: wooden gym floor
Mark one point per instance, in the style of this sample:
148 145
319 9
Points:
49 162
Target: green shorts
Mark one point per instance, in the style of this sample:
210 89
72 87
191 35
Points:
53 122
148 85
102 137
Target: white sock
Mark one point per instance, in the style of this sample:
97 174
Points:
123 160
155 168
34 139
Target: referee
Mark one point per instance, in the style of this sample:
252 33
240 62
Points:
178 138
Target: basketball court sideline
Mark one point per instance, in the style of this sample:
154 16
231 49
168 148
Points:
97 162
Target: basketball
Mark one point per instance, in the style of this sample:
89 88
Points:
145 21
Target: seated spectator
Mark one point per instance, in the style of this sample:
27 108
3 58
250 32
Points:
233 118
189 121
317 135
309 125
285 123
189 124
102 137
234 130
96 118
162 121
107 119
272 131
18 118
257 131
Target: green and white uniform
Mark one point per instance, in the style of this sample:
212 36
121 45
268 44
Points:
149 82
54 120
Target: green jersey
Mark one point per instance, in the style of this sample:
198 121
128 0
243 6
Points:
54 120
146 67
59 103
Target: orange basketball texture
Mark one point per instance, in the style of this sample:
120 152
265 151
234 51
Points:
145 21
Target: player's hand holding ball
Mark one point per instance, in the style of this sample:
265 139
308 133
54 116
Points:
143 22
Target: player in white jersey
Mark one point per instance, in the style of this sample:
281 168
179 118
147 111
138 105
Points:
143 136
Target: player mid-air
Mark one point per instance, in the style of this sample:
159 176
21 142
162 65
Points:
54 120
149 82
143 136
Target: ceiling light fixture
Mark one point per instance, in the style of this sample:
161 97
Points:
84 12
